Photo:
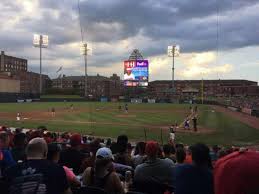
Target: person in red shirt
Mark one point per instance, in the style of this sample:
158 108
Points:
237 173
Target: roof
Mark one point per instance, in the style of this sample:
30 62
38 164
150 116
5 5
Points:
80 78
12 56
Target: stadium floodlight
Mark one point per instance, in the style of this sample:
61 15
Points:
40 41
85 51
173 51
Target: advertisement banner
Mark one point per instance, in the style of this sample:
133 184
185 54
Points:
136 73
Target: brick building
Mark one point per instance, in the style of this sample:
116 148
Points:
12 64
97 86
14 68
9 84
30 81
211 88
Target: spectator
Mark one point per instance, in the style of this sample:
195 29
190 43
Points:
196 177
73 157
214 153
129 149
108 143
221 153
6 158
40 175
168 153
121 145
103 175
188 157
154 170
18 151
180 155
122 156
237 173
3 128
179 145
89 161
54 155
139 155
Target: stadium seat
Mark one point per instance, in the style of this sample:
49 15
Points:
91 190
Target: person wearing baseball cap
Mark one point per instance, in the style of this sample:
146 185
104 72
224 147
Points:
104 153
73 157
237 173
102 175
128 74
75 140
154 171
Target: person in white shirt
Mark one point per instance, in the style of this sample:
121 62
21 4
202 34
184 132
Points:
18 116
172 134
129 75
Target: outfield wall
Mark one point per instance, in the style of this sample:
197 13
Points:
13 97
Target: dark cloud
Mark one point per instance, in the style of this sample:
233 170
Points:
190 23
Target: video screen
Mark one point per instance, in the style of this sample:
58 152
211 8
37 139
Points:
136 73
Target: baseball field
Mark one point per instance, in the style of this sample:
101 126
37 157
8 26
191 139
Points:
216 125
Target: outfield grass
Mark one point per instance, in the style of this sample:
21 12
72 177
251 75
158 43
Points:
104 119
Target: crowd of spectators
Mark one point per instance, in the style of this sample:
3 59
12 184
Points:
241 102
39 161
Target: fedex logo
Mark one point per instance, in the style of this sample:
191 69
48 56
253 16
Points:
142 63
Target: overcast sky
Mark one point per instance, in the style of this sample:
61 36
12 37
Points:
115 27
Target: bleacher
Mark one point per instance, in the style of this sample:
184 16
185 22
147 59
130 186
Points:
130 167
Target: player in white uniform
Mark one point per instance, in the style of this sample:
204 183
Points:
71 107
53 112
18 116
172 134
129 75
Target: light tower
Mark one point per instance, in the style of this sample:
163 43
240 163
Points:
173 51
85 51
40 41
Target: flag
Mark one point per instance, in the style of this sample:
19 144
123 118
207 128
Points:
59 76
59 69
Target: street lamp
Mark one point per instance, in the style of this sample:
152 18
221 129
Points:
85 50
40 41
173 51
